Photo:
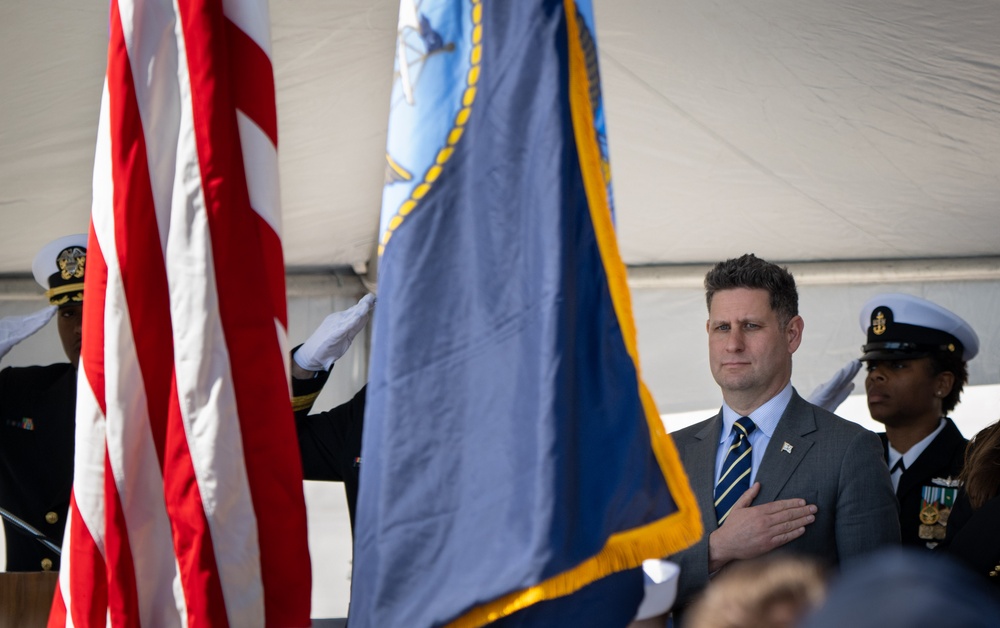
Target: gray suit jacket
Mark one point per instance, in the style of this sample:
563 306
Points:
835 464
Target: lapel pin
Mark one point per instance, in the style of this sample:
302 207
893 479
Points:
787 448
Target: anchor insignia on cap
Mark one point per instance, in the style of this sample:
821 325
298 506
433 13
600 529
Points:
878 324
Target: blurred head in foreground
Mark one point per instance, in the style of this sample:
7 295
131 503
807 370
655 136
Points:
907 588
775 591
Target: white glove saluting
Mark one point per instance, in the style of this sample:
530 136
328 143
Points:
14 329
334 335
831 394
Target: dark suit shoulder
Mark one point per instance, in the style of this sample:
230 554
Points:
691 432
825 420
34 376
836 423
951 443
944 456
848 427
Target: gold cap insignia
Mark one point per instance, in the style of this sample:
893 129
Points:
71 263
878 324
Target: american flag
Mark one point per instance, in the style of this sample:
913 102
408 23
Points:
187 501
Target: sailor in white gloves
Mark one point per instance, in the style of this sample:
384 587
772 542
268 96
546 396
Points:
330 442
38 412
14 329
916 358
333 337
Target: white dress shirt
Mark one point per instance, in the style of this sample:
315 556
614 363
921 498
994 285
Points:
910 456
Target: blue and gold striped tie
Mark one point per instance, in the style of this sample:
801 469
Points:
735 477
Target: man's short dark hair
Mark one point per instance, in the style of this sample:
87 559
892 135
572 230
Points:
749 271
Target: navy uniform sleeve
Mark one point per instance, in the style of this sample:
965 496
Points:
329 442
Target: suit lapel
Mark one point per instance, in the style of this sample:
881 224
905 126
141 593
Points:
699 456
788 447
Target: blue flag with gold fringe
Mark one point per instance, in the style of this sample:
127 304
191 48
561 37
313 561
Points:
515 469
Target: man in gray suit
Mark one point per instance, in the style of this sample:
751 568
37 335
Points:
772 470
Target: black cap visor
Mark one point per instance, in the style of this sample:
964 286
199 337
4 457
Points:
903 350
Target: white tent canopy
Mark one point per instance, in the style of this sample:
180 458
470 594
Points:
859 142
805 130
834 130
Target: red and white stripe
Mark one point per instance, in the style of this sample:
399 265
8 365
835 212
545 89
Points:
187 500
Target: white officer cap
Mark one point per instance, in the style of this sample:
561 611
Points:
59 269
902 326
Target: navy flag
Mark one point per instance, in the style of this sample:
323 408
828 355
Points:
513 457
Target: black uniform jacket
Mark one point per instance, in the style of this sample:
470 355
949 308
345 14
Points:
974 537
329 442
943 459
37 434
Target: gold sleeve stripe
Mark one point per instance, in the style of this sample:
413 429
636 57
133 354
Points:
303 402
